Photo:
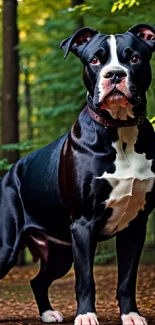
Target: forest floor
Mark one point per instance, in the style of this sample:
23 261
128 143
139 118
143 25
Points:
17 304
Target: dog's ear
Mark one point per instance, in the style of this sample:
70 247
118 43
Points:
146 33
79 39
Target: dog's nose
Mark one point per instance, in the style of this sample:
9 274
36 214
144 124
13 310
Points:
115 75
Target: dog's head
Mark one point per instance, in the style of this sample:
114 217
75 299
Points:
117 69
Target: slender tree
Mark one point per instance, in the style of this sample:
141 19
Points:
10 130
10 78
80 20
28 99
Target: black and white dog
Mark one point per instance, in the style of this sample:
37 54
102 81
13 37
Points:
95 182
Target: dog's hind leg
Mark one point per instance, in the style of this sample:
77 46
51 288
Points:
58 264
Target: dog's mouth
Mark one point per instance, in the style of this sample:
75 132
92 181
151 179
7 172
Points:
119 105
115 99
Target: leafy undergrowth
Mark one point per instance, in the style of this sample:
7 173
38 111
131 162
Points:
17 305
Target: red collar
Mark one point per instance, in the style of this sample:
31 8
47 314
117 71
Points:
114 123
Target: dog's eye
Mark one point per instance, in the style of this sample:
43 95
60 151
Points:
135 58
95 61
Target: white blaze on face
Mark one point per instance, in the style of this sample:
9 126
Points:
130 182
105 85
113 52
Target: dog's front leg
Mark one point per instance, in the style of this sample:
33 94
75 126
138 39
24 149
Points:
129 246
84 245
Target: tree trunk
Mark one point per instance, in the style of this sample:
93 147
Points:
10 79
28 101
80 19
10 129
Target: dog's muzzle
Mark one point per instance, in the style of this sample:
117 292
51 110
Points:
115 90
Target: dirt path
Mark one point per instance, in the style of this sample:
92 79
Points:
17 305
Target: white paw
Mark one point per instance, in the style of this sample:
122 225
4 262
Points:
133 319
86 319
52 316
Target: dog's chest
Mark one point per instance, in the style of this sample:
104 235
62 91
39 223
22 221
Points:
130 182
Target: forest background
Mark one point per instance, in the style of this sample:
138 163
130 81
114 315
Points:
41 94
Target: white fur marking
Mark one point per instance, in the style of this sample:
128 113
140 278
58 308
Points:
131 181
133 319
86 319
113 51
52 316
121 113
114 63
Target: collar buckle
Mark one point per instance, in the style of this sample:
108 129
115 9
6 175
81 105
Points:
140 120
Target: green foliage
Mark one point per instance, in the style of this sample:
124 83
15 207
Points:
55 88
57 93
118 5
4 165
106 257
24 146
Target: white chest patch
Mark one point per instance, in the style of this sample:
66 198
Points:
130 182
